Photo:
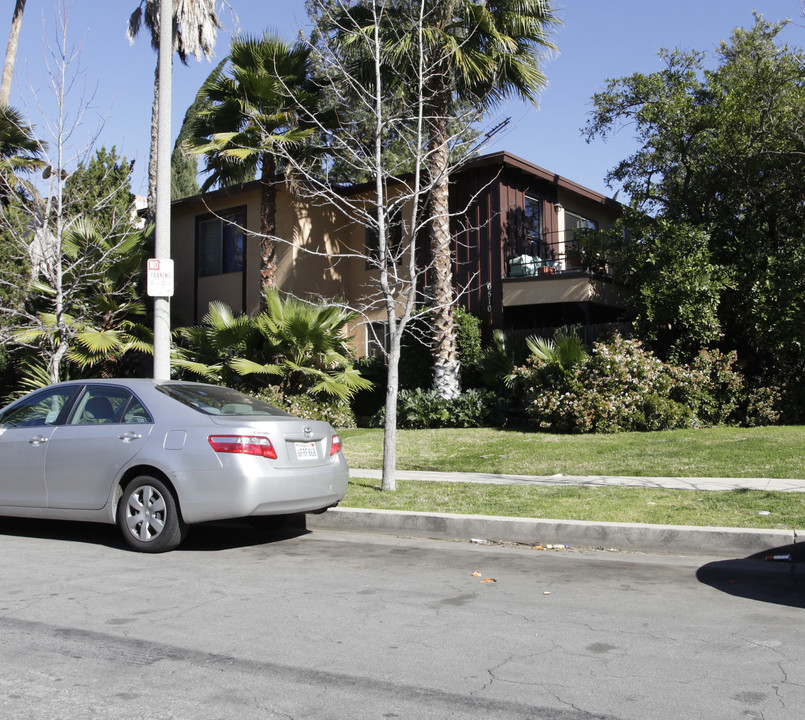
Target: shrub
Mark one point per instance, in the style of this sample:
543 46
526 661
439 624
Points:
420 408
763 406
623 387
335 411
619 387
721 387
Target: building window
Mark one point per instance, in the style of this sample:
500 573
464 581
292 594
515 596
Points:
575 222
221 243
377 338
393 233
532 222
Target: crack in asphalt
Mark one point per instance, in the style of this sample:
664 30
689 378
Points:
126 650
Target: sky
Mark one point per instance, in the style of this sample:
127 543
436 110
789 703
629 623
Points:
112 80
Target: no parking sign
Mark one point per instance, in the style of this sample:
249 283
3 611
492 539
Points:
160 277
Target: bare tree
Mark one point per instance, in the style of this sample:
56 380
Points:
78 292
357 75
11 53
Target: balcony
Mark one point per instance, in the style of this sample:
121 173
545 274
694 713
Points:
551 275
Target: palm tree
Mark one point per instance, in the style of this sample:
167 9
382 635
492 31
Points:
195 29
98 323
208 348
20 151
566 350
487 51
252 108
11 53
301 345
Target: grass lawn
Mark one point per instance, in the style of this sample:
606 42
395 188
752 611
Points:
717 452
774 452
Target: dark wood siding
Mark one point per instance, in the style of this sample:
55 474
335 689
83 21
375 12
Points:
487 203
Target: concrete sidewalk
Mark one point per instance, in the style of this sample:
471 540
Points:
682 483
634 537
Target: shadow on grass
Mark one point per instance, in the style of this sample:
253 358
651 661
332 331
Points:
760 577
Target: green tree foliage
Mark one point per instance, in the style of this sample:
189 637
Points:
722 152
566 350
195 30
184 161
675 287
97 327
20 154
99 191
332 24
487 52
80 271
455 55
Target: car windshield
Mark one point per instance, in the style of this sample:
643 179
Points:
214 400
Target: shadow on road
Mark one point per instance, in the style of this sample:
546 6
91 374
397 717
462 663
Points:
204 537
774 576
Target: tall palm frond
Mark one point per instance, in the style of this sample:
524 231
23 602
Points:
251 108
195 30
20 151
566 350
482 52
195 26
300 347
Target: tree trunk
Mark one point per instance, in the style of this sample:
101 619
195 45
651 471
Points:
445 349
389 481
268 227
11 54
151 210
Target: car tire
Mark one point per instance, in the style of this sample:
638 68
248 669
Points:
148 516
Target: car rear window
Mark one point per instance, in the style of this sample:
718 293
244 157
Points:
215 400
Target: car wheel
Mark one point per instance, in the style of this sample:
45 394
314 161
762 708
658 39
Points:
148 516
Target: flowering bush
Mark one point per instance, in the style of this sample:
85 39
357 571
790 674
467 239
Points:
623 387
763 406
711 387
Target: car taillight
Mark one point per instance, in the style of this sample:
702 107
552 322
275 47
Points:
243 444
335 445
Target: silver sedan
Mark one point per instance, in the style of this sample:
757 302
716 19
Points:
157 456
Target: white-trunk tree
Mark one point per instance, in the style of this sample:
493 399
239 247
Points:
70 265
358 59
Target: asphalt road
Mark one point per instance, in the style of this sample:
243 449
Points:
341 625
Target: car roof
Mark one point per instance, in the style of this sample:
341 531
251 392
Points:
133 382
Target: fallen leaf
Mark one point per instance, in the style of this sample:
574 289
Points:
488 580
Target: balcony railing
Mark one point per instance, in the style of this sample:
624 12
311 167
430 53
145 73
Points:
550 259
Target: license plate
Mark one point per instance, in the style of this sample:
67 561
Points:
306 451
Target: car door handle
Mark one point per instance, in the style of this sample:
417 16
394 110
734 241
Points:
37 440
129 436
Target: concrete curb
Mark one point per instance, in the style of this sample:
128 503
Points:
676 539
